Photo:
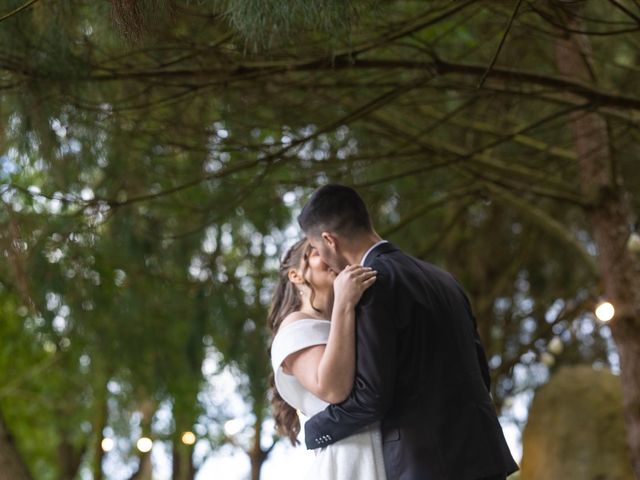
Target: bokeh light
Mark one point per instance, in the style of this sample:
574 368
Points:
188 438
107 444
145 444
605 311
233 427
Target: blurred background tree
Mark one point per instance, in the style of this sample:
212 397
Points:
154 154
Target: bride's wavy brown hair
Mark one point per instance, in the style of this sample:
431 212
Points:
286 299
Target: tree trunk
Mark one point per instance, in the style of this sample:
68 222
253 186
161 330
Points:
192 468
69 458
610 219
145 468
256 454
12 466
183 468
176 461
102 415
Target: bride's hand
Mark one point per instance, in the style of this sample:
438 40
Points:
351 283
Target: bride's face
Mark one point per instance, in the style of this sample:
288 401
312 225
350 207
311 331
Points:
318 273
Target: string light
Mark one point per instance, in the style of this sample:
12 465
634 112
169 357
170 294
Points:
188 438
107 444
145 444
605 311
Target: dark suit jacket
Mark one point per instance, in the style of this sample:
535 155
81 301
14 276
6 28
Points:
422 372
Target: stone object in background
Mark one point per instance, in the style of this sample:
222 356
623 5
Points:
576 429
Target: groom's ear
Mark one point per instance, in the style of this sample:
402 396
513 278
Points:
329 239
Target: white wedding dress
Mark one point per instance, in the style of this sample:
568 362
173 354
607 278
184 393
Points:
358 457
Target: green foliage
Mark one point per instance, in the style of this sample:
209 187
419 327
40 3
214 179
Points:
262 22
149 185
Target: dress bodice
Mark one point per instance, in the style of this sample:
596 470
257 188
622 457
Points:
292 338
357 457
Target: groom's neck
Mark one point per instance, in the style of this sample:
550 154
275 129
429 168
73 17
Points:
358 247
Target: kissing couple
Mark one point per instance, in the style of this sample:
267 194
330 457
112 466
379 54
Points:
381 351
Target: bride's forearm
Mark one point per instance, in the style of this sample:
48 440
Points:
336 370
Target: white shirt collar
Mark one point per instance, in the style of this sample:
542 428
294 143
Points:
366 254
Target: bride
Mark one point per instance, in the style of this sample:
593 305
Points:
314 358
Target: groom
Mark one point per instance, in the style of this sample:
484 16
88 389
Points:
421 370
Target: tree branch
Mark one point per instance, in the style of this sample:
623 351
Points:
504 37
17 10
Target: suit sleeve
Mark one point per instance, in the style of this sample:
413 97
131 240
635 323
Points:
482 360
480 354
373 389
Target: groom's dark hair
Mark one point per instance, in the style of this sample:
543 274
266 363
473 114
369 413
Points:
335 208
